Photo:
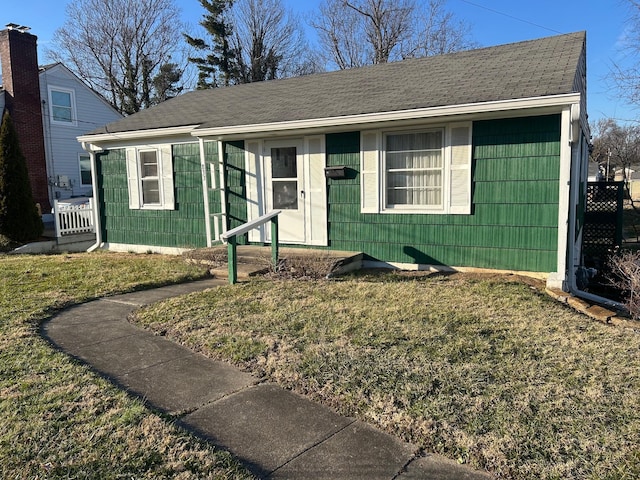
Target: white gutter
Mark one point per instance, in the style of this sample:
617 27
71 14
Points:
137 134
413 114
570 137
93 150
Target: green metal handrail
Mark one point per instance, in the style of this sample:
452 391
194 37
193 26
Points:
230 237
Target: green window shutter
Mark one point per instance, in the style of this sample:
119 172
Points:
369 164
132 179
166 161
460 170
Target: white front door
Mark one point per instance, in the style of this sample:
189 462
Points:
285 188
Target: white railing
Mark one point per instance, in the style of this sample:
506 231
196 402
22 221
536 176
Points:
73 216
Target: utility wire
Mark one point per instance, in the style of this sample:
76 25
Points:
511 16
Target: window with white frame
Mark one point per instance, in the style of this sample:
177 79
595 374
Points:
85 170
62 106
150 177
413 169
417 171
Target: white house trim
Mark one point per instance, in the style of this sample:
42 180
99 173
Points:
137 134
559 277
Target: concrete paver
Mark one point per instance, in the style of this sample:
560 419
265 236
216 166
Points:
266 426
147 297
435 467
276 433
73 337
358 452
130 353
92 313
186 383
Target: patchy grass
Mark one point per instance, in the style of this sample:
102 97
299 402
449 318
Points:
487 371
57 418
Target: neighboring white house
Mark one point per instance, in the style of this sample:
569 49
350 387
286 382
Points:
50 107
69 109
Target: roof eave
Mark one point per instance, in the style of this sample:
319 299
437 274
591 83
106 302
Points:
137 134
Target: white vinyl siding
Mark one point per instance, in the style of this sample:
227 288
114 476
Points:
61 145
150 178
417 171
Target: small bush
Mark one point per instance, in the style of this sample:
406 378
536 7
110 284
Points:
625 275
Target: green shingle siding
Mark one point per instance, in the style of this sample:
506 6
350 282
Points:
182 227
236 186
515 204
513 224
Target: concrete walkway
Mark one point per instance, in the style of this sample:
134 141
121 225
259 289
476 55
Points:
276 433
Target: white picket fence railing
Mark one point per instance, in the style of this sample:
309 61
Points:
73 217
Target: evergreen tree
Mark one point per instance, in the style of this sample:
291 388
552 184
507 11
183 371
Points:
19 219
217 66
165 83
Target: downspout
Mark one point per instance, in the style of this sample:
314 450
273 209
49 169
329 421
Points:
92 150
46 130
574 139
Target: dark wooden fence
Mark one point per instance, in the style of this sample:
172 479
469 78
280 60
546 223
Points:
602 232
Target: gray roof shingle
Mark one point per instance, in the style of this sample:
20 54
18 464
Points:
527 69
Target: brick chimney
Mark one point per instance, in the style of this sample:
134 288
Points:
21 82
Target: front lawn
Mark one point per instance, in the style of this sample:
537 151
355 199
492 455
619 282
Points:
485 370
58 419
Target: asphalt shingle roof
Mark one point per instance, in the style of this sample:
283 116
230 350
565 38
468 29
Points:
527 69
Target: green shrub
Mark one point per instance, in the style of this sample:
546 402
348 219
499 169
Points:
19 218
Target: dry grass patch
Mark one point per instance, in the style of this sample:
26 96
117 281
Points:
57 418
487 371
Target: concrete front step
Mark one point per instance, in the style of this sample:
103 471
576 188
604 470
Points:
244 270
68 243
256 260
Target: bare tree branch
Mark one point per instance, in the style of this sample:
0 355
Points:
268 41
341 34
626 76
617 146
118 46
354 33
